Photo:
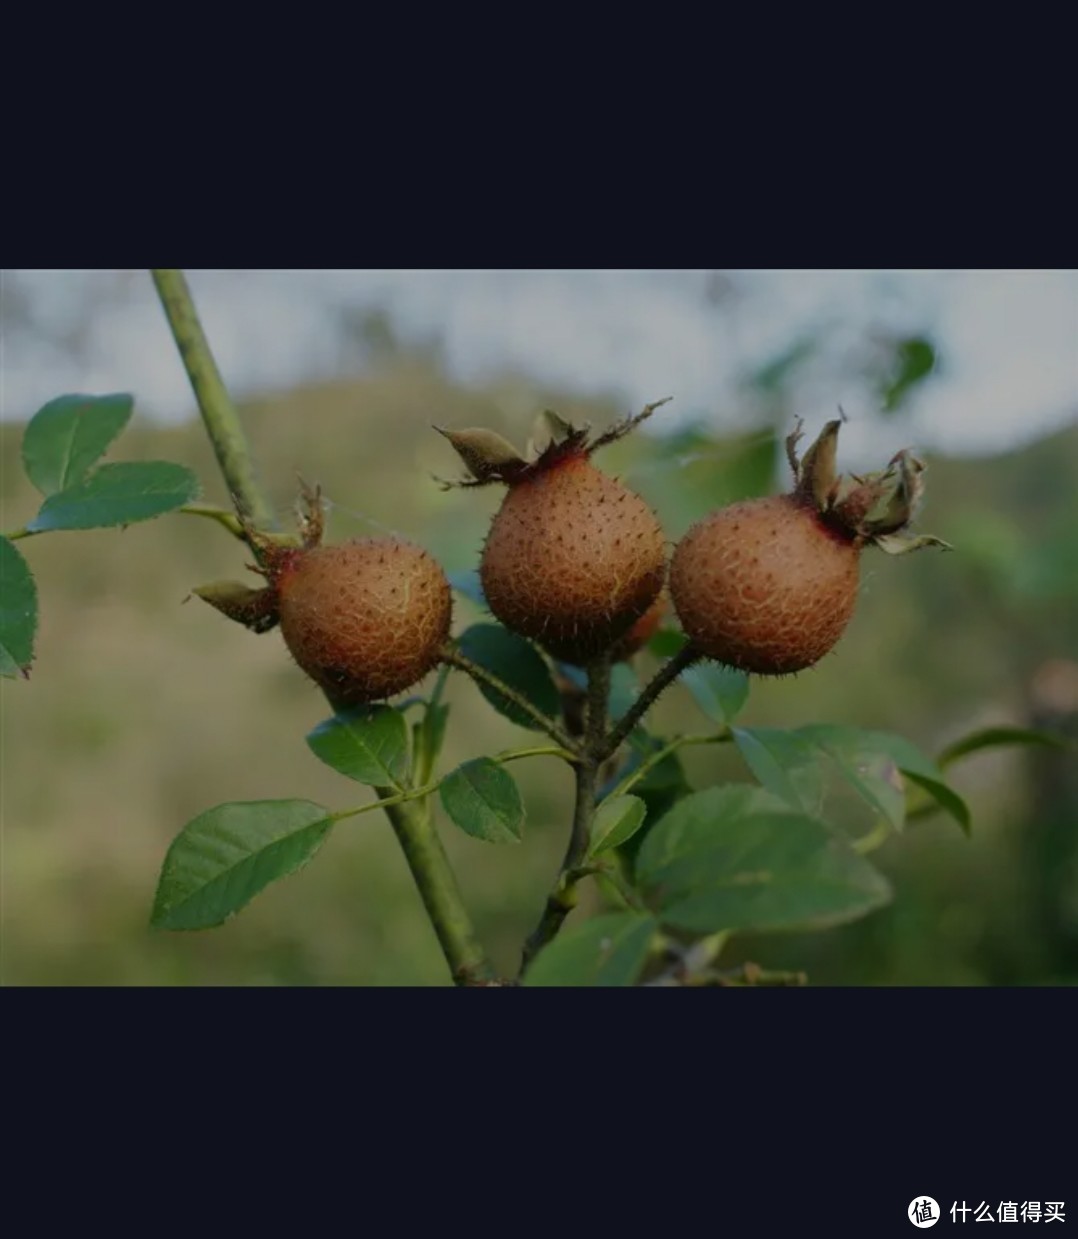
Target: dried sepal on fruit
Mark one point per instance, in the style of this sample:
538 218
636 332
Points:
364 619
769 585
255 609
573 558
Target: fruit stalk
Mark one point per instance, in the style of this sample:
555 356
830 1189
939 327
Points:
419 840
664 677
452 657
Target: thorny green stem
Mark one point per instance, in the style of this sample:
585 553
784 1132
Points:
664 677
562 899
218 412
481 675
410 820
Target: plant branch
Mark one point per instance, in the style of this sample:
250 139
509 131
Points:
750 974
414 828
221 515
562 899
664 677
218 412
481 675
598 698
689 963
440 893
426 756
541 750
560 902
694 966
616 879
387 801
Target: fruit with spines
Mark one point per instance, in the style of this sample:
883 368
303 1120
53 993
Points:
364 619
573 557
769 585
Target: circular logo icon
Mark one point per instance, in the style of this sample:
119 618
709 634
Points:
923 1211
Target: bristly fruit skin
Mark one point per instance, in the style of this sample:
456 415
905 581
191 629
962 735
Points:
573 558
364 619
765 585
769 585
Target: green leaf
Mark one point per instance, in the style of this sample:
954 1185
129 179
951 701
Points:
923 771
368 744
666 642
996 737
18 612
659 789
785 763
517 663
118 495
728 859
792 764
225 856
615 822
719 691
665 840
867 764
915 359
609 950
775 375
947 798
67 435
484 801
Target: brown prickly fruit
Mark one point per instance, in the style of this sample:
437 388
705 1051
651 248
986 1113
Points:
765 585
365 619
769 585
572 559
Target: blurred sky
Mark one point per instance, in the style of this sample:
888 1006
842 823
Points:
1007 340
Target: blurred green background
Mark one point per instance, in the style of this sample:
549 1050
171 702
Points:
142 710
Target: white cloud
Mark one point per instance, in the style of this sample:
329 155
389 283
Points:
1008 339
